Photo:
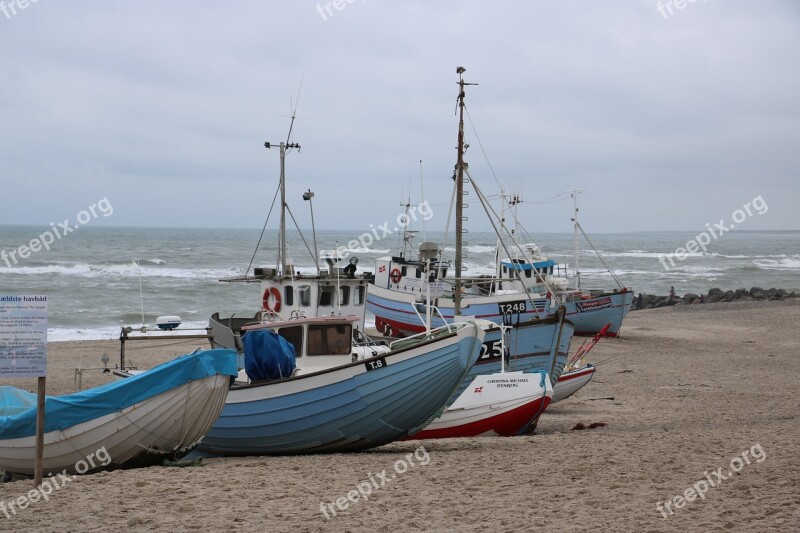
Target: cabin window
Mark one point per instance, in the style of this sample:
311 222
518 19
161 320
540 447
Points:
304 295
293 334
329 339
528 273
288 295
419 273
344 295
505 270
444 273
404 271
358 295
326 296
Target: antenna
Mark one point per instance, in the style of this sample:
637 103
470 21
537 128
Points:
422 199
294 111
285 147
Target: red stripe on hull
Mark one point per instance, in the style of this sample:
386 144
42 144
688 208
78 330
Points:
566 376
507 424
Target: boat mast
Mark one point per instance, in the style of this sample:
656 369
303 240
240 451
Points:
459 177
576 273
282 265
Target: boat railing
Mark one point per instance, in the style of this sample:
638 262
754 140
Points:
425 336
433 308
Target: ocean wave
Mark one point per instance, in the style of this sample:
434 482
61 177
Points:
127 270
644 254
787 263
474 248
97 333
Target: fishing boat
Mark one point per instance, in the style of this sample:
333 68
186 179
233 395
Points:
408 296
578 372
284 291
504 404
589 309
139 421
572 381
347 408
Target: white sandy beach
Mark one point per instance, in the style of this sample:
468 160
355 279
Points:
696 387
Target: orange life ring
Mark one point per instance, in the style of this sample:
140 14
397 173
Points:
276 295
395 275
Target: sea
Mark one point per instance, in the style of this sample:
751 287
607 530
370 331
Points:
99 279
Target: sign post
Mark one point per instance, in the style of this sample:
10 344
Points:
23 353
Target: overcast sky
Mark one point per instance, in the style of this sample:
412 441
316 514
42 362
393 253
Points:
667 121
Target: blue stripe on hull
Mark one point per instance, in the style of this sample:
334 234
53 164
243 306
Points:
366 410
591 322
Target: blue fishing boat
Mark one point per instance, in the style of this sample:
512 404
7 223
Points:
158 414
407 296
589 310
352 407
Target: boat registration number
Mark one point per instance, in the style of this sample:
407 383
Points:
513 307
375 363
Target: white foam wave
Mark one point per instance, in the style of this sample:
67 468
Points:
111 332
788 263
473 248
130 270
654 255
365 250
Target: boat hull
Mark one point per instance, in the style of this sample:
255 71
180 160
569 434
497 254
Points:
571 382
534 345
348 408
398 314
139 435
505 404
531 348
592 314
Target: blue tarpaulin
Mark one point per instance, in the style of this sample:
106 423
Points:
66 411
14 400
267 355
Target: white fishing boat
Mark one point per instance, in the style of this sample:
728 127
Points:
572 381
578 372
155 415
506 405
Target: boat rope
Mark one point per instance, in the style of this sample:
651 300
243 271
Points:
492 214
277 190
316 262
616 279
480 144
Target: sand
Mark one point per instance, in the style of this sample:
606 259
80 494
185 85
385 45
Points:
695 387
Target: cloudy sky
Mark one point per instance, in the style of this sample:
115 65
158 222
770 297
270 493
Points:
667 118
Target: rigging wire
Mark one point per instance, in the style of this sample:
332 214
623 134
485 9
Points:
302 236
262 231
469 119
